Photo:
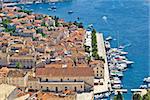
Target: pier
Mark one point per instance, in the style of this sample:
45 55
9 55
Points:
102 53
120 90
141 91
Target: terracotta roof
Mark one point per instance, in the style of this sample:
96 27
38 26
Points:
72 72
96 62
52 96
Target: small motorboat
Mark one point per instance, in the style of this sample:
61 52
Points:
147 80
117 86
107 94
122 66
104 18
99 96
148 85
128 62
107 44
49 9
123 53
116 73
116 80
70 12
53 7
143 86
121 47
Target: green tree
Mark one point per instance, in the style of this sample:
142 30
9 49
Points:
18 65
118 96
93 31
6 22
88 59
146 96
137 97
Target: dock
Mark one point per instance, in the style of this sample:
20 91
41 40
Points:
120 90
136 90
141 91
102 52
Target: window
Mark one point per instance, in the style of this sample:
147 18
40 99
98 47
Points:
75 88
30 86
46 80
81 86
74 80
97 74
61 80
56 89
47 88
41 87
65 88
97 71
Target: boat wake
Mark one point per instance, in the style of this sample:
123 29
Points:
124 46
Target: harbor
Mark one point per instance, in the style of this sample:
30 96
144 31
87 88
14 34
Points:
115 64
109 26
106 87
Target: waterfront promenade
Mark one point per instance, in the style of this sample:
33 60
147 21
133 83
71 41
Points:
102 53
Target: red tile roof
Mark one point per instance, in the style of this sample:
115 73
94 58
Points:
68 72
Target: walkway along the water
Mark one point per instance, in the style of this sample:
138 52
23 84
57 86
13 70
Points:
102 53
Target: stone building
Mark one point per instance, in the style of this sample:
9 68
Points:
79 79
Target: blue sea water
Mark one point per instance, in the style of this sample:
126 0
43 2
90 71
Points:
128 18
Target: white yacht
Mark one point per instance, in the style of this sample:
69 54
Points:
117 86
147 80
108 38
107 44
116 80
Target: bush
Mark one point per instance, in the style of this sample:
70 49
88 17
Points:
6 22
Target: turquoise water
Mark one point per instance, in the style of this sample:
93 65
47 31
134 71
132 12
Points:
129 19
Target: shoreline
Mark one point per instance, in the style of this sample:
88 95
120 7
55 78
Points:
26 3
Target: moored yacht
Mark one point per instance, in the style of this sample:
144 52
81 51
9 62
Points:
117 86
147 80
53 7
108 38
107 44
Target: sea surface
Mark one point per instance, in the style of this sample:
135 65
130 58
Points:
127 21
